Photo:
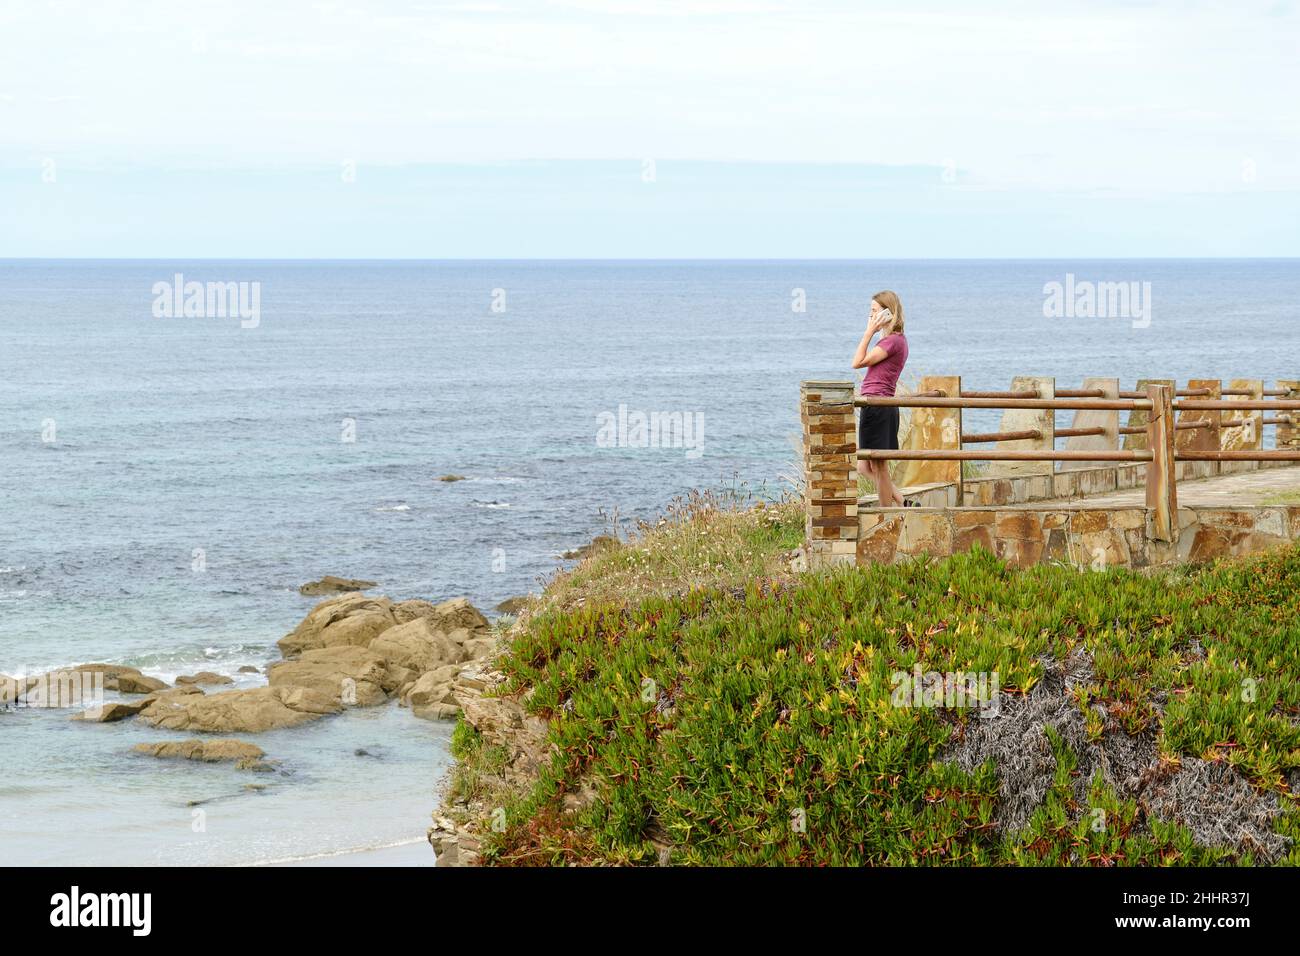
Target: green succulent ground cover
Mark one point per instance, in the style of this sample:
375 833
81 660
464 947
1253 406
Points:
755 724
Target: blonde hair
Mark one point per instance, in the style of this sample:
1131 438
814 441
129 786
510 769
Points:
889 300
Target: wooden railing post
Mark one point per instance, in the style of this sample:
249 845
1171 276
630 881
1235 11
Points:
1162 486
830 464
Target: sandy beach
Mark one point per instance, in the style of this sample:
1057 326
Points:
416 853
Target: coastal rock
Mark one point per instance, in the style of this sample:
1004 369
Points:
248 669
71 686
184 690
418 646
480 647
448 616
112 672
355 619
454 846
352 619
203 677
349 675
513 605
602 542
67 686
121 709
503 722
442 837
496 718
406 611
470 677
111 712
441 711
452 478
332 585
432 687
139 684
432 696
240 711
246 756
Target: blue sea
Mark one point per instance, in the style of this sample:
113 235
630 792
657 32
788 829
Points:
169 482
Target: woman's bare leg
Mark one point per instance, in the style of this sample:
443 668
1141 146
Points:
887 494
871 472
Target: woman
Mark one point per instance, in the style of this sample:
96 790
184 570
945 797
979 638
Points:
878 425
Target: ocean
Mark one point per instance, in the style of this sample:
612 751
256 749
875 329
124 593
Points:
170 481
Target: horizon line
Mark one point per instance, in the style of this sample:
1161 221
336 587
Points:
648 259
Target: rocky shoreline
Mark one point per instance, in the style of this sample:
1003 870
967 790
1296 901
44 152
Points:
353 650
502 722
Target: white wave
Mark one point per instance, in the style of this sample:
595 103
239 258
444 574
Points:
334 854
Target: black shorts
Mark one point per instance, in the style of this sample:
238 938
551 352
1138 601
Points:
878 426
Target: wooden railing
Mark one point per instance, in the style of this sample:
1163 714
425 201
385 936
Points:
1156 403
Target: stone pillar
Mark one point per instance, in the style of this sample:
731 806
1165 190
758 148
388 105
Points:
1042 420
1288 436
830 447
1137 441
935 428
1199 439
1105 419
1243 437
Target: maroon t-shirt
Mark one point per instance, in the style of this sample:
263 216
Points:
882 378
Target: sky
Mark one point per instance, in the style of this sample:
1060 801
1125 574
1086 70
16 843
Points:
710 128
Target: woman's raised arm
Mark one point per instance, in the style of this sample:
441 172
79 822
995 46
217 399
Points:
865 355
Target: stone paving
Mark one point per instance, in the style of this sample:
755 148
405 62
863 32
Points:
1247 489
